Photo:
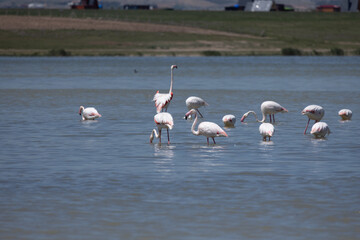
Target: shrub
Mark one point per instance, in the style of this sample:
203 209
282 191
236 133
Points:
357 51
211 53
59 52
337 52
291 52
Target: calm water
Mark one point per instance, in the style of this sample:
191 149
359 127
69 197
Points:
61 178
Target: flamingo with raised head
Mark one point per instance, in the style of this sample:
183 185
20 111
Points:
162 120
162 100
320 129
207 129
345 114
266 130
313 112
195 103
267 108
88 113
229 120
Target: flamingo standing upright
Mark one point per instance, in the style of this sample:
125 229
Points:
320 129
314 112
207 129
229 120
345 114
88 113
266 130
162 120
162 100
267 108
195 103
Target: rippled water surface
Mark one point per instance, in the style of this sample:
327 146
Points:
61 178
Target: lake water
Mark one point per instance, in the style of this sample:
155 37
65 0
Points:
61 178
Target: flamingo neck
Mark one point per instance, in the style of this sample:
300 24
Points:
152 135
252 112
263 119
193 126
171 82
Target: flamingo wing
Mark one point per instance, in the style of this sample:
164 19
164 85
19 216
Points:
210 129
195 102
162 100
266 129
164 119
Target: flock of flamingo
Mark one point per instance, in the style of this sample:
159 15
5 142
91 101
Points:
163 119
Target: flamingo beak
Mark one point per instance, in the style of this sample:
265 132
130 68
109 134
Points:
242 119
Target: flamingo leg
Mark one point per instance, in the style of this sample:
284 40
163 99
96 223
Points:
306 126
168 136
273 118
214 140
199 113
207 141
160 136
269 139
270 117
264 139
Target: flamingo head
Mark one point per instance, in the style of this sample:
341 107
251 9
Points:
151 137
173 66
284 110
244 117
189 113
81 110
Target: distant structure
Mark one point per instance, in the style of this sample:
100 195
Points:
328 8
86 4
259 6
36 5
139 7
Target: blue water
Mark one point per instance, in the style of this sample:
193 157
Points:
61 178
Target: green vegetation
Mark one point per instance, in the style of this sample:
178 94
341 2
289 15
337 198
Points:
272 33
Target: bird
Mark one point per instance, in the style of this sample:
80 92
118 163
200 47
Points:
229 120
162 100
314 112
195 103
207 129
320 129
267 108
266 130
345 114
89 113
162 120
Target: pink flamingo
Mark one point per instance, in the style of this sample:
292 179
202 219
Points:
229 120
266 130
314 112
267 108
207 129
345 114
195 103
162 100
320 129
162 120
89 113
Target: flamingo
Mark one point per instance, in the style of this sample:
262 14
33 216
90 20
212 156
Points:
229 120
267 108
162 120
320 129
314 112
207 129
89 113
266 130
345 114
195 103
162 100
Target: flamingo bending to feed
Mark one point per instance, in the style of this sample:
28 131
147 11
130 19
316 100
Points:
314 112
162 120
267 108
266 130
195 103
89 113
320 129
345 114
162 100
229 120
207 129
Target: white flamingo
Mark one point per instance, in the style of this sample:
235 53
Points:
266 130
89 113
195 103
314 112
207 129
345 114
162 100
162 120
229 120
320 129
267 108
